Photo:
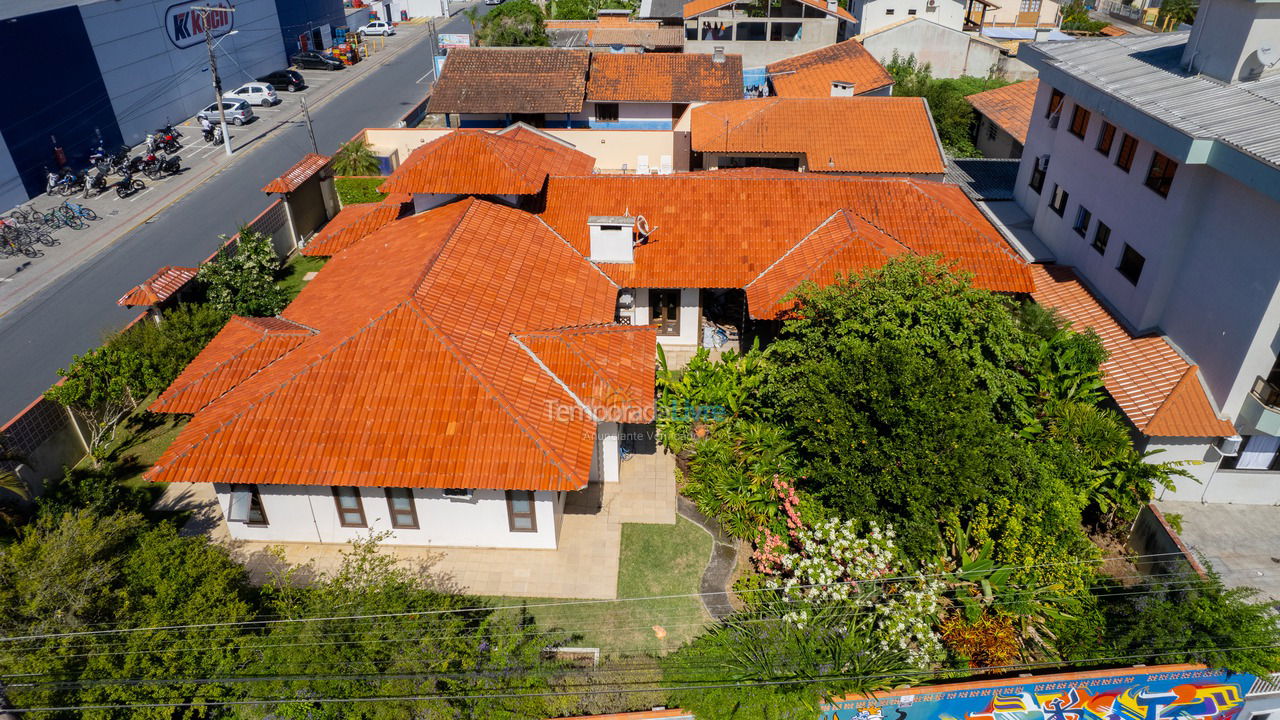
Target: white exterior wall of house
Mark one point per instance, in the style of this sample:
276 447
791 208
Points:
634 116
875 14
1210 281
816 32
1010 13
308 513
690 317
950 52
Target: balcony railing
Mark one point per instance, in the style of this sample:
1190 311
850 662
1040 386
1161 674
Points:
1267 393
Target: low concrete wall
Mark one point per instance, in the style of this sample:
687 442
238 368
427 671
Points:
1161 552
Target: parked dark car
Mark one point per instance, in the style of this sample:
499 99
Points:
316 61
290 80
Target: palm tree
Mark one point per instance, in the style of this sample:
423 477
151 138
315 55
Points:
356 158
10 481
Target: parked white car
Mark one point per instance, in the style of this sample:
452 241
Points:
254 93
377 27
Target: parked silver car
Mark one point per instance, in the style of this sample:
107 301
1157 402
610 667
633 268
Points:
238 112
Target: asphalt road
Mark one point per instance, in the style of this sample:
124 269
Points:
78 311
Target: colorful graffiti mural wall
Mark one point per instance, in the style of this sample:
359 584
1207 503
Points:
1192 694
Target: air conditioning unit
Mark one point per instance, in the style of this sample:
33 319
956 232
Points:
1042 163
1230 446
1054 118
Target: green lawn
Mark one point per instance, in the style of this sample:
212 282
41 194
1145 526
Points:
292 274
656 560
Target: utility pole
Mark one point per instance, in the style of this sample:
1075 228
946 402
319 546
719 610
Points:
310 131
213 68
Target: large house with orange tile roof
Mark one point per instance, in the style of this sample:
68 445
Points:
862 135
555 88
451 376
764 33
1152 170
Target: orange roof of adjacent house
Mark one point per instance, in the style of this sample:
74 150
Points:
664 77
610 30
1008 106
811 74
159 287
726 229
427 361
1156 388
698 7
842 134
292 179
510 80
477 162
351 224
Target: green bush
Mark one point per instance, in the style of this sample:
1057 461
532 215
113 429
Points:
354 190
98 490
168 346
952 114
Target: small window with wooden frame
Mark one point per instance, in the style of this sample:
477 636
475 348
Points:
1079 122
521 515
404 512
350 507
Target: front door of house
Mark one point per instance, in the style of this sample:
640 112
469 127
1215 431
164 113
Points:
665 308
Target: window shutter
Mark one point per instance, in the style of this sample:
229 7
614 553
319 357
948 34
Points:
240 501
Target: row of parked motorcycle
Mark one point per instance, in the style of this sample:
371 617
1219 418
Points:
157 160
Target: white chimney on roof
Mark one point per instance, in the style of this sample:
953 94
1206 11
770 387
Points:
612 238
839 88
832 6
1233 40
717 54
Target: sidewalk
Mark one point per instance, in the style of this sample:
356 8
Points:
22 277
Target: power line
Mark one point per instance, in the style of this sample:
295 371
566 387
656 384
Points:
410 613
685 687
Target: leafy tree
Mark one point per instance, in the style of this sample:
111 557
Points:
952 114
1075 16
513 24
704 393
1199 622
1176 12
168 347
587 9
356 157
241 281
101 387
804 665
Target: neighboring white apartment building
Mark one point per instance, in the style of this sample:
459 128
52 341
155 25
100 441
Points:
875 14
1152 167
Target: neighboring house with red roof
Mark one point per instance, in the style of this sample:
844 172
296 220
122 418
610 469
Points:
1004 114
842 69
767 32
859 135
555 88
452 376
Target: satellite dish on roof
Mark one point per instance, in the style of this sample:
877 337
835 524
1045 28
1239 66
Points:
1269 55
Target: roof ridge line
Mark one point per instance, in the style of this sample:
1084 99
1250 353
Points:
793 248
854 235
573 249
431 263
563 385
272 391
263 337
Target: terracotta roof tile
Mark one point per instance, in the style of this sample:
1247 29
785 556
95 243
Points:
699 7
622 31
610 368
1155 387
159 287
1008 106
292 179
243 347
844 245
476 162
413 377
811 74
510 80
664 77
351 224
724 229
854 134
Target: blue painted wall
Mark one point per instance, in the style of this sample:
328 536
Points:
299 16
59 94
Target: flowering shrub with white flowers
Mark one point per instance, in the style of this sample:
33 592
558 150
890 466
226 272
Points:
832 562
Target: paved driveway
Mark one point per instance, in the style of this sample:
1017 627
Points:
1241 542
